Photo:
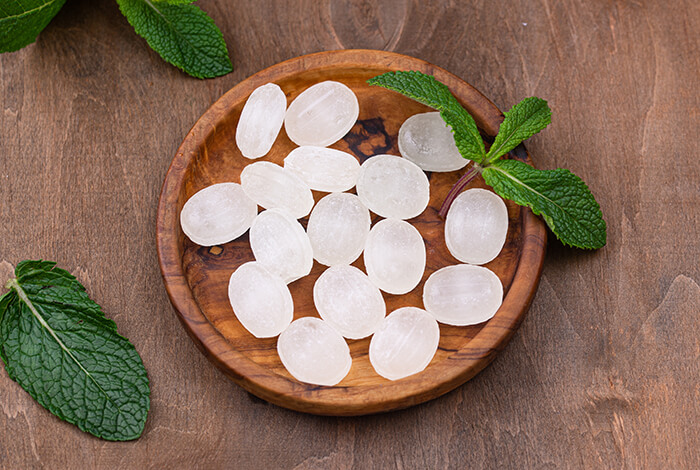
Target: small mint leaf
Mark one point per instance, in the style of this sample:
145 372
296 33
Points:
562 198
181 33
427 90
21 22
524 120
58 345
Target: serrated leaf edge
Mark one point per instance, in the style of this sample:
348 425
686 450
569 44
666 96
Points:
148 41
494 152
548 219
470 125
13 284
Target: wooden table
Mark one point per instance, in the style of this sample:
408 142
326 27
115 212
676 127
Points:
603 373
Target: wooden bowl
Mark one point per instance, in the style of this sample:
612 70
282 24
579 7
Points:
196 277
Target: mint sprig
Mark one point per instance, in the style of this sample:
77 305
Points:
59 346
180 32
560 197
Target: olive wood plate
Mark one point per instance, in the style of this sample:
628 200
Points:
196 277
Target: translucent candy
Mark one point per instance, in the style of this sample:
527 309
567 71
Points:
271 186
427 141
463 294
394 256
321 114
404 344
261 121
476 226
348 301
261 301
338 227
324 169
280 245
392 186
217 214
313 352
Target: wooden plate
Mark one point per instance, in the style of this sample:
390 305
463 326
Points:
196 277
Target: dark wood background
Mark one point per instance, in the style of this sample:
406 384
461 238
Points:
603 373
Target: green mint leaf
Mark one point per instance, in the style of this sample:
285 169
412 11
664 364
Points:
427 90
58 345
562 198
524 120
66 291
22 21
181 33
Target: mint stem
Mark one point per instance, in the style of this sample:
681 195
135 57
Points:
462 183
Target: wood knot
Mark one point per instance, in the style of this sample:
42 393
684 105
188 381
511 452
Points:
365 24
368 137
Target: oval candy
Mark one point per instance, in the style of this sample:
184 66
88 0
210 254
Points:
324 169
394 256
463 294
260 300
393 187
313 352
426 140
337 228
476 226
271 186
280 244
347 300
322 114
404 344
217 214
261 120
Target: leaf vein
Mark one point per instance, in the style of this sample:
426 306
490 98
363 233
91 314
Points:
42 321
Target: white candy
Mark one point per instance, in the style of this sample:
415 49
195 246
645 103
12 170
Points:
394 256
313 352
324 169
281 245
427 141
338 227
271 186
348 301
392 186
463 294
217 214
322 114
476 226
261 301
261 120
404 344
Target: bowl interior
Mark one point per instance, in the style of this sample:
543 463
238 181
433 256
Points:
209 155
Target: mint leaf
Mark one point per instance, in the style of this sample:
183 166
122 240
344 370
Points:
563 199
21 22
524 120
58 345
181 33
427 90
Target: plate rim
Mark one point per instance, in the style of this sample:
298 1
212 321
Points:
464 363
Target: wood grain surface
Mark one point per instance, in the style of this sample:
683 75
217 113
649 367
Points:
603 373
